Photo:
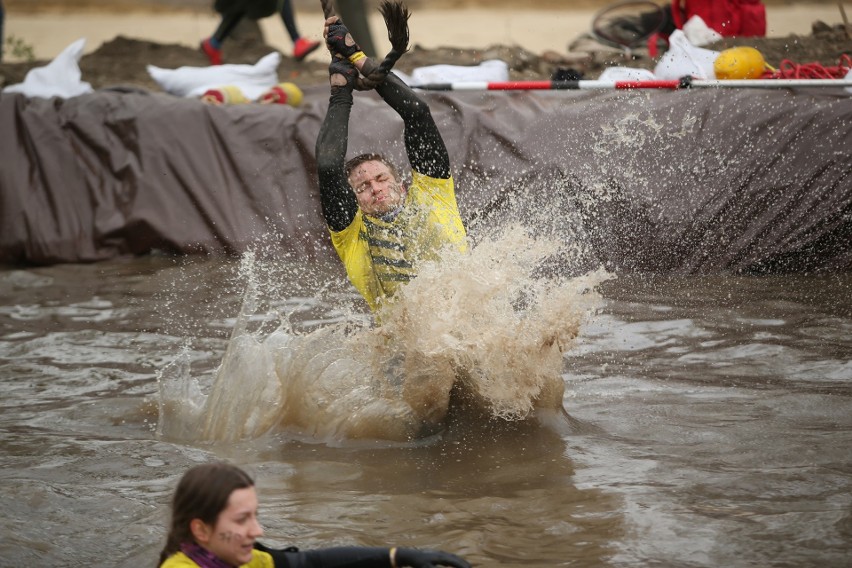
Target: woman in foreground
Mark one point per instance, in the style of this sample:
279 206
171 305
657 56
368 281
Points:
214 524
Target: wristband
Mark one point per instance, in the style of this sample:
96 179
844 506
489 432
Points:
357 56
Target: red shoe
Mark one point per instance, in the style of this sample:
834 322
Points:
303 47
213 54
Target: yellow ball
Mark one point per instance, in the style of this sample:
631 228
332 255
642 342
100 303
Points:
226 95
294 93
739 63
282 94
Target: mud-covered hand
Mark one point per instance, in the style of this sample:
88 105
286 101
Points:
342 74
426 558
339 41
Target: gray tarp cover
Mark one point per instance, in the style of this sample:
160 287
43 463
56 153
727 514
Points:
688 181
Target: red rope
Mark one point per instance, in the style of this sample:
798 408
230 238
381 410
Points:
790 70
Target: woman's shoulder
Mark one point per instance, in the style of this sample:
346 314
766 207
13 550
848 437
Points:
259 559
179 560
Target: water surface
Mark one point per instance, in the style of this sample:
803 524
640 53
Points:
708 424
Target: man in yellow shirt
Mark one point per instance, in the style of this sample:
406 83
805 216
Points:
380 228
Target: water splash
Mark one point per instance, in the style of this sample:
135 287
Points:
498 328
486 330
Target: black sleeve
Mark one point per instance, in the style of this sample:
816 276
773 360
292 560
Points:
336 557
338 200
423 143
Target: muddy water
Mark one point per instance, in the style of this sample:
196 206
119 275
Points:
709 424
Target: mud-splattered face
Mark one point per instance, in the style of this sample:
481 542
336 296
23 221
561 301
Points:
237 527
376 188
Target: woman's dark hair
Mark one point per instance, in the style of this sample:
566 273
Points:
358 160
202 493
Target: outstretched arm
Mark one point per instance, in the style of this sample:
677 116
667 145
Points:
362 557
339 205
423 143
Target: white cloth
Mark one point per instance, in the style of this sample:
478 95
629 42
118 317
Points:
626 74
59 78
492 71
252 80
699 33
684 59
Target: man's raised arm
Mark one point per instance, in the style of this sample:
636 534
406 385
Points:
339 205
423 143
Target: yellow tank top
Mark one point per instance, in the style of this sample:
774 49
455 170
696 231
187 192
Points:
259 559
379 256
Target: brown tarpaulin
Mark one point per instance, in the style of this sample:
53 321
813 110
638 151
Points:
688 181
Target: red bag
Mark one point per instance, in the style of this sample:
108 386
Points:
744 18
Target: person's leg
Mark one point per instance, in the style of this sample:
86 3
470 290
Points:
212 46
226 26
301 46
1 30
289 19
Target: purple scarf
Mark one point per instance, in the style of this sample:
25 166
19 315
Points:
203 557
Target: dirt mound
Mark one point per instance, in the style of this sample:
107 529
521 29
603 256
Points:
122 62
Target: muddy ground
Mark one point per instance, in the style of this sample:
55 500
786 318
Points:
122 62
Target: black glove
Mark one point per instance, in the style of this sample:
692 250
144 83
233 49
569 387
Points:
342 74
427 558
340 41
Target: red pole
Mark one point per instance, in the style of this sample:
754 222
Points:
685 83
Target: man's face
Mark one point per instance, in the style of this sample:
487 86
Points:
376 189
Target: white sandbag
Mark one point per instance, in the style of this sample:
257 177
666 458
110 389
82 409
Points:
252 80
699 33
492 70
684 59
59 78
626 74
